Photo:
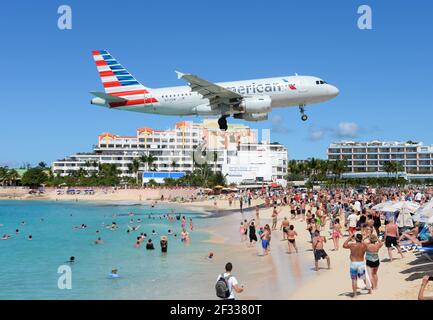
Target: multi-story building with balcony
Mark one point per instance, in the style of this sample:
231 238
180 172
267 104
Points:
368 158
239 152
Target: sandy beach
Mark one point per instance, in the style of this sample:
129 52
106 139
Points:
278 275
399 279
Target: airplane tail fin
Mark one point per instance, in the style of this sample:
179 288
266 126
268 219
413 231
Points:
117 81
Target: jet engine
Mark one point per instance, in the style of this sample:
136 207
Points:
256 104
252 116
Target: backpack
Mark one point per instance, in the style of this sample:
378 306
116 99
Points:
222 287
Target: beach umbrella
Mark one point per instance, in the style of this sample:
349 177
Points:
404 219
393 206
425 213
380 206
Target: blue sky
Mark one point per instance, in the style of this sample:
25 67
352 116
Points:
385 75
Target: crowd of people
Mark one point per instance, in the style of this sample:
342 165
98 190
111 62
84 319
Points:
335 214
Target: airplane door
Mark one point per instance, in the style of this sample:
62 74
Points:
303 88
149 102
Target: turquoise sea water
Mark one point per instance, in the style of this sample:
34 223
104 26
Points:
28 269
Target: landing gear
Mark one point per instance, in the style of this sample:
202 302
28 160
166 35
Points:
222 122
304 117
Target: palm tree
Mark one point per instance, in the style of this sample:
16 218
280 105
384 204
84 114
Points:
338 167
388 167
135 167
173 165
3 174
42 165
150 160
13 176
143 160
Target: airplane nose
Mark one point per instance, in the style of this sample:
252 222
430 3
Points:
333 91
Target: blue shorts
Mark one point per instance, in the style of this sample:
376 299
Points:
357 270
265 244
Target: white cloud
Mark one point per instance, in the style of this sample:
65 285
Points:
317 134
348 130
278 125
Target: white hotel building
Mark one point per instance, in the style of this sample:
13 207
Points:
367 158
241 157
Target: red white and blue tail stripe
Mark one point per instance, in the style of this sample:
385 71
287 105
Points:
118 82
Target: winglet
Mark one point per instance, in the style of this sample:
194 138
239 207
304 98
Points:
179 74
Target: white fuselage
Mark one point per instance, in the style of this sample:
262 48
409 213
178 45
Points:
283 92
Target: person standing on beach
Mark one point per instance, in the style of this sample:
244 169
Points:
227 285
336 234
275 213
266 237
252 233
242 231
291 237
372 259
357 264
352 222
319 252
391 238
285 227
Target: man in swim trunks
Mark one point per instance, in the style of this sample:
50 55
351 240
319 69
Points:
285 227
319 252
357 263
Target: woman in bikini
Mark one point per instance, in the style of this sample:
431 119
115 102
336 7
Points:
291 235
336 234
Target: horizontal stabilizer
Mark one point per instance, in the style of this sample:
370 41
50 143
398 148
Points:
107 97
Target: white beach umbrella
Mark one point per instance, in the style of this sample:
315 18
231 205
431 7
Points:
425 213
393 206
380 206
404 219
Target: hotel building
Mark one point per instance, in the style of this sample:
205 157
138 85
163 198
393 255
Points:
368 158
239 154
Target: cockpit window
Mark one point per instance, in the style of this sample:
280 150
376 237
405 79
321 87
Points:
320 82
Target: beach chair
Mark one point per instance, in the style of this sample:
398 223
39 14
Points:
426 252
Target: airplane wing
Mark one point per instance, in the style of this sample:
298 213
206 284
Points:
216 94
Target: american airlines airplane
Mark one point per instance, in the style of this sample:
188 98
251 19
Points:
250 100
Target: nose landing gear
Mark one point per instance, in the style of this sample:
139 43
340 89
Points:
222 122
304 117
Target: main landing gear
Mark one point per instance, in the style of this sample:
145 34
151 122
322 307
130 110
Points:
222 122
304 117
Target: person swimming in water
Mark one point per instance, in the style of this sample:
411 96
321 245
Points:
149 245
113 274
71 260
99 241
134 228
30 237
6 237
164 244
184 235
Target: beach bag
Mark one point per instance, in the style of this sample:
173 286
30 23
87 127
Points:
222 287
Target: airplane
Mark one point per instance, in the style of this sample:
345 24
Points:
250 100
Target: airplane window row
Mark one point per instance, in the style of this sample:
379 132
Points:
177 95
321 82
